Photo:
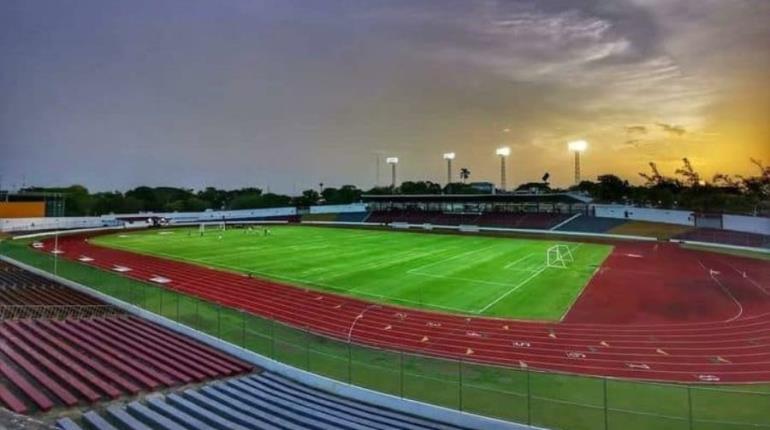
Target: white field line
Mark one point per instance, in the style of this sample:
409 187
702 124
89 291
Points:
521 284
513 263
328 287
726 290
746 276
515 287
457 278
464 254
554 228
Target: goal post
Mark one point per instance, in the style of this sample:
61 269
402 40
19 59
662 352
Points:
559 256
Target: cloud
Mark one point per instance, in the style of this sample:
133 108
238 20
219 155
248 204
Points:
676 130
636 129
413 79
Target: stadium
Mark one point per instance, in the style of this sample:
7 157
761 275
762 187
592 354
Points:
513 309
384 214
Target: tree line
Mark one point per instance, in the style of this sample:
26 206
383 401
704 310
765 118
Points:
686 189
78 201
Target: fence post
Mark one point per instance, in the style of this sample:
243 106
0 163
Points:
529 398
401 374
606 418
272 337
307 348
197 315
350 364
460 384
243 328
689 408
219 320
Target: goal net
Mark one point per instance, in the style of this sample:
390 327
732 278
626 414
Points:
221 226
559 256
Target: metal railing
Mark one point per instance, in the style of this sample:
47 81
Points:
59 312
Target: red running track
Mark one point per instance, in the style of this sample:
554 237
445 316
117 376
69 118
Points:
652 311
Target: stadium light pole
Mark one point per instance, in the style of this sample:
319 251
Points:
503 153
449 156
393 161
577 146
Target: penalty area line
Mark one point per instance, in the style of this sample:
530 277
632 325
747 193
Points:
515 287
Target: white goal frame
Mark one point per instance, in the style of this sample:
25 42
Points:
559 257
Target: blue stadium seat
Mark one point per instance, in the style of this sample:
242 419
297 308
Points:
318 404
226 410
263 401
208 416
158 405
152 418
96 422
124 420
591 224
67 424
287 384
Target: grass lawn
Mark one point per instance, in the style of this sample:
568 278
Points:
543 399
464 274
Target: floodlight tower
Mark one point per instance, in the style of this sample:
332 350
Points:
449 156
577 146
503 152
393 161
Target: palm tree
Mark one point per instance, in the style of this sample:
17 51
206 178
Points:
465 174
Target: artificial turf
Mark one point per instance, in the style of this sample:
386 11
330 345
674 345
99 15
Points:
464 274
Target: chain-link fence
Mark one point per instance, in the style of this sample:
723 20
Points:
540 398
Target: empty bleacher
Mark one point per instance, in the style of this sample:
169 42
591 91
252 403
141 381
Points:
650 229
384 217
591 224
48 363
521 220
352 216
263 401
727 237
61 347
320 217
21 288
337 217
13 277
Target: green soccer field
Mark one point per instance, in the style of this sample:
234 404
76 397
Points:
465 274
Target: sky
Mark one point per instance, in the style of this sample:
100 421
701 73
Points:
286 94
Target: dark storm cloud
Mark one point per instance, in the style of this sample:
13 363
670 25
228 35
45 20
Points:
286 94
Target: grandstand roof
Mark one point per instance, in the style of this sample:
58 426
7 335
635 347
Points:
501 198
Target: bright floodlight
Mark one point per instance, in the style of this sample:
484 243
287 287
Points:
391 160
578 145
449 156
504 151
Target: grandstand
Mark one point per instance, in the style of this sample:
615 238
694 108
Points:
63 348
737 238
518 211
54 365
21 288
336 217
71 362
265 400
657 230
591 224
